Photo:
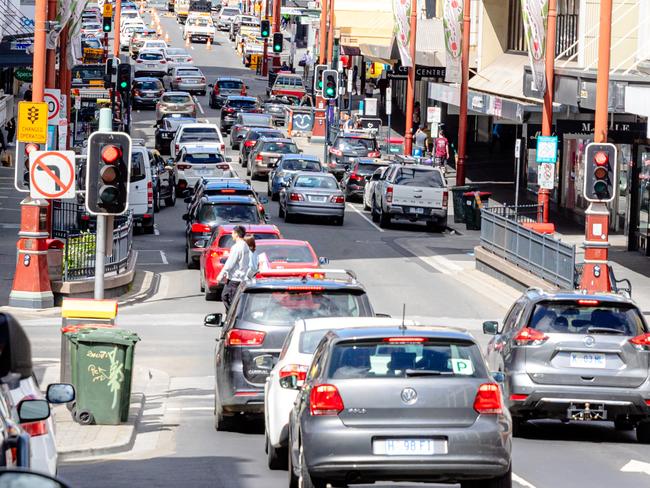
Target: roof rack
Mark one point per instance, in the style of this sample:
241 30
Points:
304 272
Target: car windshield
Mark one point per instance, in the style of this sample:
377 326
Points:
419 177
280 147
285 307
242 103
198 134
151 56
289 81
225 213
148 85
379 358
230 12
366 169
230 84
588 317
203 158
227 242
176 98
188 72
301 165
355 144
322 182
138 172
255 135
283 253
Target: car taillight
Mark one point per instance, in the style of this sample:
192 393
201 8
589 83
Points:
216 90
259 157
228 110
374 154
296 197
488 399
297 370
325 400
404 340
641 342
243 92
189 60
34 429
337 199
183 167
389 194
178 78
356 177
163 62
201 229
518 398
249 143
260 207
245 337
223 148
137 93
336 152
530 337
224 167
445 198
177 146
150 193
202 79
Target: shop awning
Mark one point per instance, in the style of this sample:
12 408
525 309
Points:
13 51
504 77
362 27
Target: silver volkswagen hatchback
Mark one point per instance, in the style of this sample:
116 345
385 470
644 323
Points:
399 404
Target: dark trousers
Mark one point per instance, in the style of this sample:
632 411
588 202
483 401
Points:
228 293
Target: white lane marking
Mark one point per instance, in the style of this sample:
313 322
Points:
163 256
520 481
189 409
635 466
198 104
349 205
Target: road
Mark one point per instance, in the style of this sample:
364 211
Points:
402 266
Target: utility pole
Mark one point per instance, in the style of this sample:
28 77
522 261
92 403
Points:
330 35
50 66
265 60
462 118
116 28
595 273
277 13
322 32
543 196
410 85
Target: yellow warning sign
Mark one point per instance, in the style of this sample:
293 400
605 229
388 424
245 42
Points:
108 10
32 122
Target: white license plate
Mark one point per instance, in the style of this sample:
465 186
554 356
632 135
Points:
204 171
409 447
151 65
587 360
418 210
317 199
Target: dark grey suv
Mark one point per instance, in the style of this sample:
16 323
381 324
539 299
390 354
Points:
261 316
399 404
572 356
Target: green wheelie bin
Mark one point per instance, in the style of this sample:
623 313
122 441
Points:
474 202
458 200
101 373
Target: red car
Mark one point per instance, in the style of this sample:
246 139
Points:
287 254
217 249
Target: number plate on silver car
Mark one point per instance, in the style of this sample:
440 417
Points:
409 447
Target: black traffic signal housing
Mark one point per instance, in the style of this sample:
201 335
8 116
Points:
600 172
330 84
107 24
108 173
319 69
278 42
110 72
124 78
265 29
23 150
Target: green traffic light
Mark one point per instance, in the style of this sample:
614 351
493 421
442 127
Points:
123 84
330 92
600 187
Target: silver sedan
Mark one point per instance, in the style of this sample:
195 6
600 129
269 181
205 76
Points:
189 79
312 194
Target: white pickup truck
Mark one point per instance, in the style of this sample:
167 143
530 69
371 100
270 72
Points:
199 27
411 192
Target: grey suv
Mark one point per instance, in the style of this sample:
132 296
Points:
572 356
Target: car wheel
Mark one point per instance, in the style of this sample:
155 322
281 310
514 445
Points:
643 432
518 424
384 219
212 104
293 479
276 458
366 207
170 201
306 481
435 226
268 189
287 217
280 211
503 481
374 213
623 423
156 202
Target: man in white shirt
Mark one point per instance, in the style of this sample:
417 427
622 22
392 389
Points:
236 268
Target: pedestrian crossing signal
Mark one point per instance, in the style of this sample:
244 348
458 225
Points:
278 41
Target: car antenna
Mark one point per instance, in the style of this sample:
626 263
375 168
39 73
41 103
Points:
403 326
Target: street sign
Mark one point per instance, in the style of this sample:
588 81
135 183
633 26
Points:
546 175
53 99
434 115
546 149
370 107
107 10
51 174
32 122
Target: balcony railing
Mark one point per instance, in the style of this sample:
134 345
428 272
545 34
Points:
566 44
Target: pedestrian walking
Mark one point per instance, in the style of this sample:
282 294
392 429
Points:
253 262
355 78
11 130
236 268
441 149
420 142
417 117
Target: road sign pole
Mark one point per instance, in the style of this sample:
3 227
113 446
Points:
105 125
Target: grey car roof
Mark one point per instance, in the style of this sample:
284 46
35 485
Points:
301 157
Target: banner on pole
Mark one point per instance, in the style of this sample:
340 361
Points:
453 26
535 18
402 30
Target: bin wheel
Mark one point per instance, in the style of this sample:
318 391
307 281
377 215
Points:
84 417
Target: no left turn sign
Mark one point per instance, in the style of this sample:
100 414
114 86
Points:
52 174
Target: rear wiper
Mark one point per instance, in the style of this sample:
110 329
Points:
605 330
427 372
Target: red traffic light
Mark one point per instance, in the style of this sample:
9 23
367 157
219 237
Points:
601 158
110 154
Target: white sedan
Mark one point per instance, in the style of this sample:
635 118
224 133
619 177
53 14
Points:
291 371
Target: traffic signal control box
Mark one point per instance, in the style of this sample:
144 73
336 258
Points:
601 172
108 173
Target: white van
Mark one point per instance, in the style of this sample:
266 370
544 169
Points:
141 187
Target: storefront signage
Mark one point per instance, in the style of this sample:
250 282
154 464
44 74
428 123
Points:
421 72
24 74
546 149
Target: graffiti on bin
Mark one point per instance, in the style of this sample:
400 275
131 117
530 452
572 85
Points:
113 376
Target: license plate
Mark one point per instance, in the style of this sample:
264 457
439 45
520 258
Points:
587 360
204 171
418 210
151 65
317 199
409 447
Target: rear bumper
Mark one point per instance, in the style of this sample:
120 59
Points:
319 211
190 87
356 190
339 453
260 170
406 213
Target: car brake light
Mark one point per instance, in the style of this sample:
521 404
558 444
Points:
224 167
374 154
297 370
202 79
227 191
445 198
325 400
641 342
337 199
259 157
588 302
178 78
136 93
201 228
183 167
177 146
216 89
163 62
139 61
228 110
249 143
35 429
336 152
518 398
223 148
243 91
244 337
403 340
150 193
354 176
296 197
389 194
260 207
189 60
305 288
488 399
530 337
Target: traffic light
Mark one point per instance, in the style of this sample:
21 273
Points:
265 29
110 72
107 25
330 84
318 78
21 176
278 42
600 172
123 77
108 173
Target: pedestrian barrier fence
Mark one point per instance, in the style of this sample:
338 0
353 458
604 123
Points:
504 234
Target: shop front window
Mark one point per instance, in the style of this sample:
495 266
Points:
644 191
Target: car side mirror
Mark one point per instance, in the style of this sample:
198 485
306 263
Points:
289 382
499 377
491 327
323 261
58 393
213 320
186 217
33 410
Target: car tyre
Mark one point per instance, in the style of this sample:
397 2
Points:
156 201
306 481
276 458
212 104
643 432
384 219
170 201
366 207
293 479
339 221
373 212
503 481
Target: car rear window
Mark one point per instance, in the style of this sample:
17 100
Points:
280 147
367 169
88 72
242 103
188 72
151 56
138 170
285 307
229 12
588 317
226 241
149 85
230 84
256 120
281 253
203 158
288 81
379 358
321 182
176 98
301 165
156 45
419 177
355 144
198 134
220 214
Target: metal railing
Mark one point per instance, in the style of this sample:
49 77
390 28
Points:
539 254
79 251
68 217
519 213
567 35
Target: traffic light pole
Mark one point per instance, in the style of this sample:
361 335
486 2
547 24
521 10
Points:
265 59
105 125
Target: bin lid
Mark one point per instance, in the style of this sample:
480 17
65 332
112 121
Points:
88 308
482 194
77 327
105 335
